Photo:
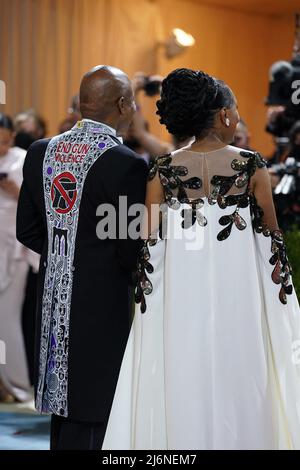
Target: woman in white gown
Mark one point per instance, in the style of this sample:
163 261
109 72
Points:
14 265
212 360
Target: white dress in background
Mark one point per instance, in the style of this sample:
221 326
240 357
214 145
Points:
14 264
213 362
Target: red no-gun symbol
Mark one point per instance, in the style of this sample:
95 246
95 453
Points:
63 192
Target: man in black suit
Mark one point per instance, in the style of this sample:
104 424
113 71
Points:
83 308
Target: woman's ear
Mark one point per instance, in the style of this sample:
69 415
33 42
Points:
224 117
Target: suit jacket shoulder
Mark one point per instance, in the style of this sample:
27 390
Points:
116 170
128 156
35 157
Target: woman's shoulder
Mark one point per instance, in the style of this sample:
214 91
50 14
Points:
230 150
247 154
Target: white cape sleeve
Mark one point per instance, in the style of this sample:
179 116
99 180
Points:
283 337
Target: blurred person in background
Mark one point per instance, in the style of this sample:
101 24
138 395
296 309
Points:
293 149
242 136
278 126
139 138
14 264
29 127
139 135
131 141
73 115
285 180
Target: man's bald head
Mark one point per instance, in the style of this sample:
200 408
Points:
105 95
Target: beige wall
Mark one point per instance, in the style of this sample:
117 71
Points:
46 46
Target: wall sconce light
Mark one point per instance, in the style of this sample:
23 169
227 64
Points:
178 42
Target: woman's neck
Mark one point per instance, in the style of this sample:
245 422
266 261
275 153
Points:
212 141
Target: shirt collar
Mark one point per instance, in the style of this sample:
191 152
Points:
98 126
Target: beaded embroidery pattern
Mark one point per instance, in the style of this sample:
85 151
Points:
63 179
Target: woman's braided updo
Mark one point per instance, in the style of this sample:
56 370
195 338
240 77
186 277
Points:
189 101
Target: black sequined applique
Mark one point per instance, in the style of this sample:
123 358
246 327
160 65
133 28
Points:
222 184
282 271
191 215
245 169
257 217
143 285
229 220
175 189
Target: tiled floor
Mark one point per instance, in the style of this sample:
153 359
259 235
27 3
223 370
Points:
21 428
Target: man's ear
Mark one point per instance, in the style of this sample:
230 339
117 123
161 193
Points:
121 105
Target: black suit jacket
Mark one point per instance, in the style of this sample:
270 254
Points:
99 317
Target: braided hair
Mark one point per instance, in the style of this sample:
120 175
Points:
189 101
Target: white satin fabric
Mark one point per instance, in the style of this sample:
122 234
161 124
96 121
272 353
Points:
214 362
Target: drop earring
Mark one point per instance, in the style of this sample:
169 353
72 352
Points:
227 122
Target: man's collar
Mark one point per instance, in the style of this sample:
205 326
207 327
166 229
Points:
97 126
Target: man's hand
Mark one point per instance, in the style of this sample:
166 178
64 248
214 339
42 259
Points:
10 187
273 112
138 81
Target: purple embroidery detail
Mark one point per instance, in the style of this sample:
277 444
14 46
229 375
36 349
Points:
101 145
49 170
53 342
52 347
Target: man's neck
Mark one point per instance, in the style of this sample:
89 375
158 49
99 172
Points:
106 122
109 129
